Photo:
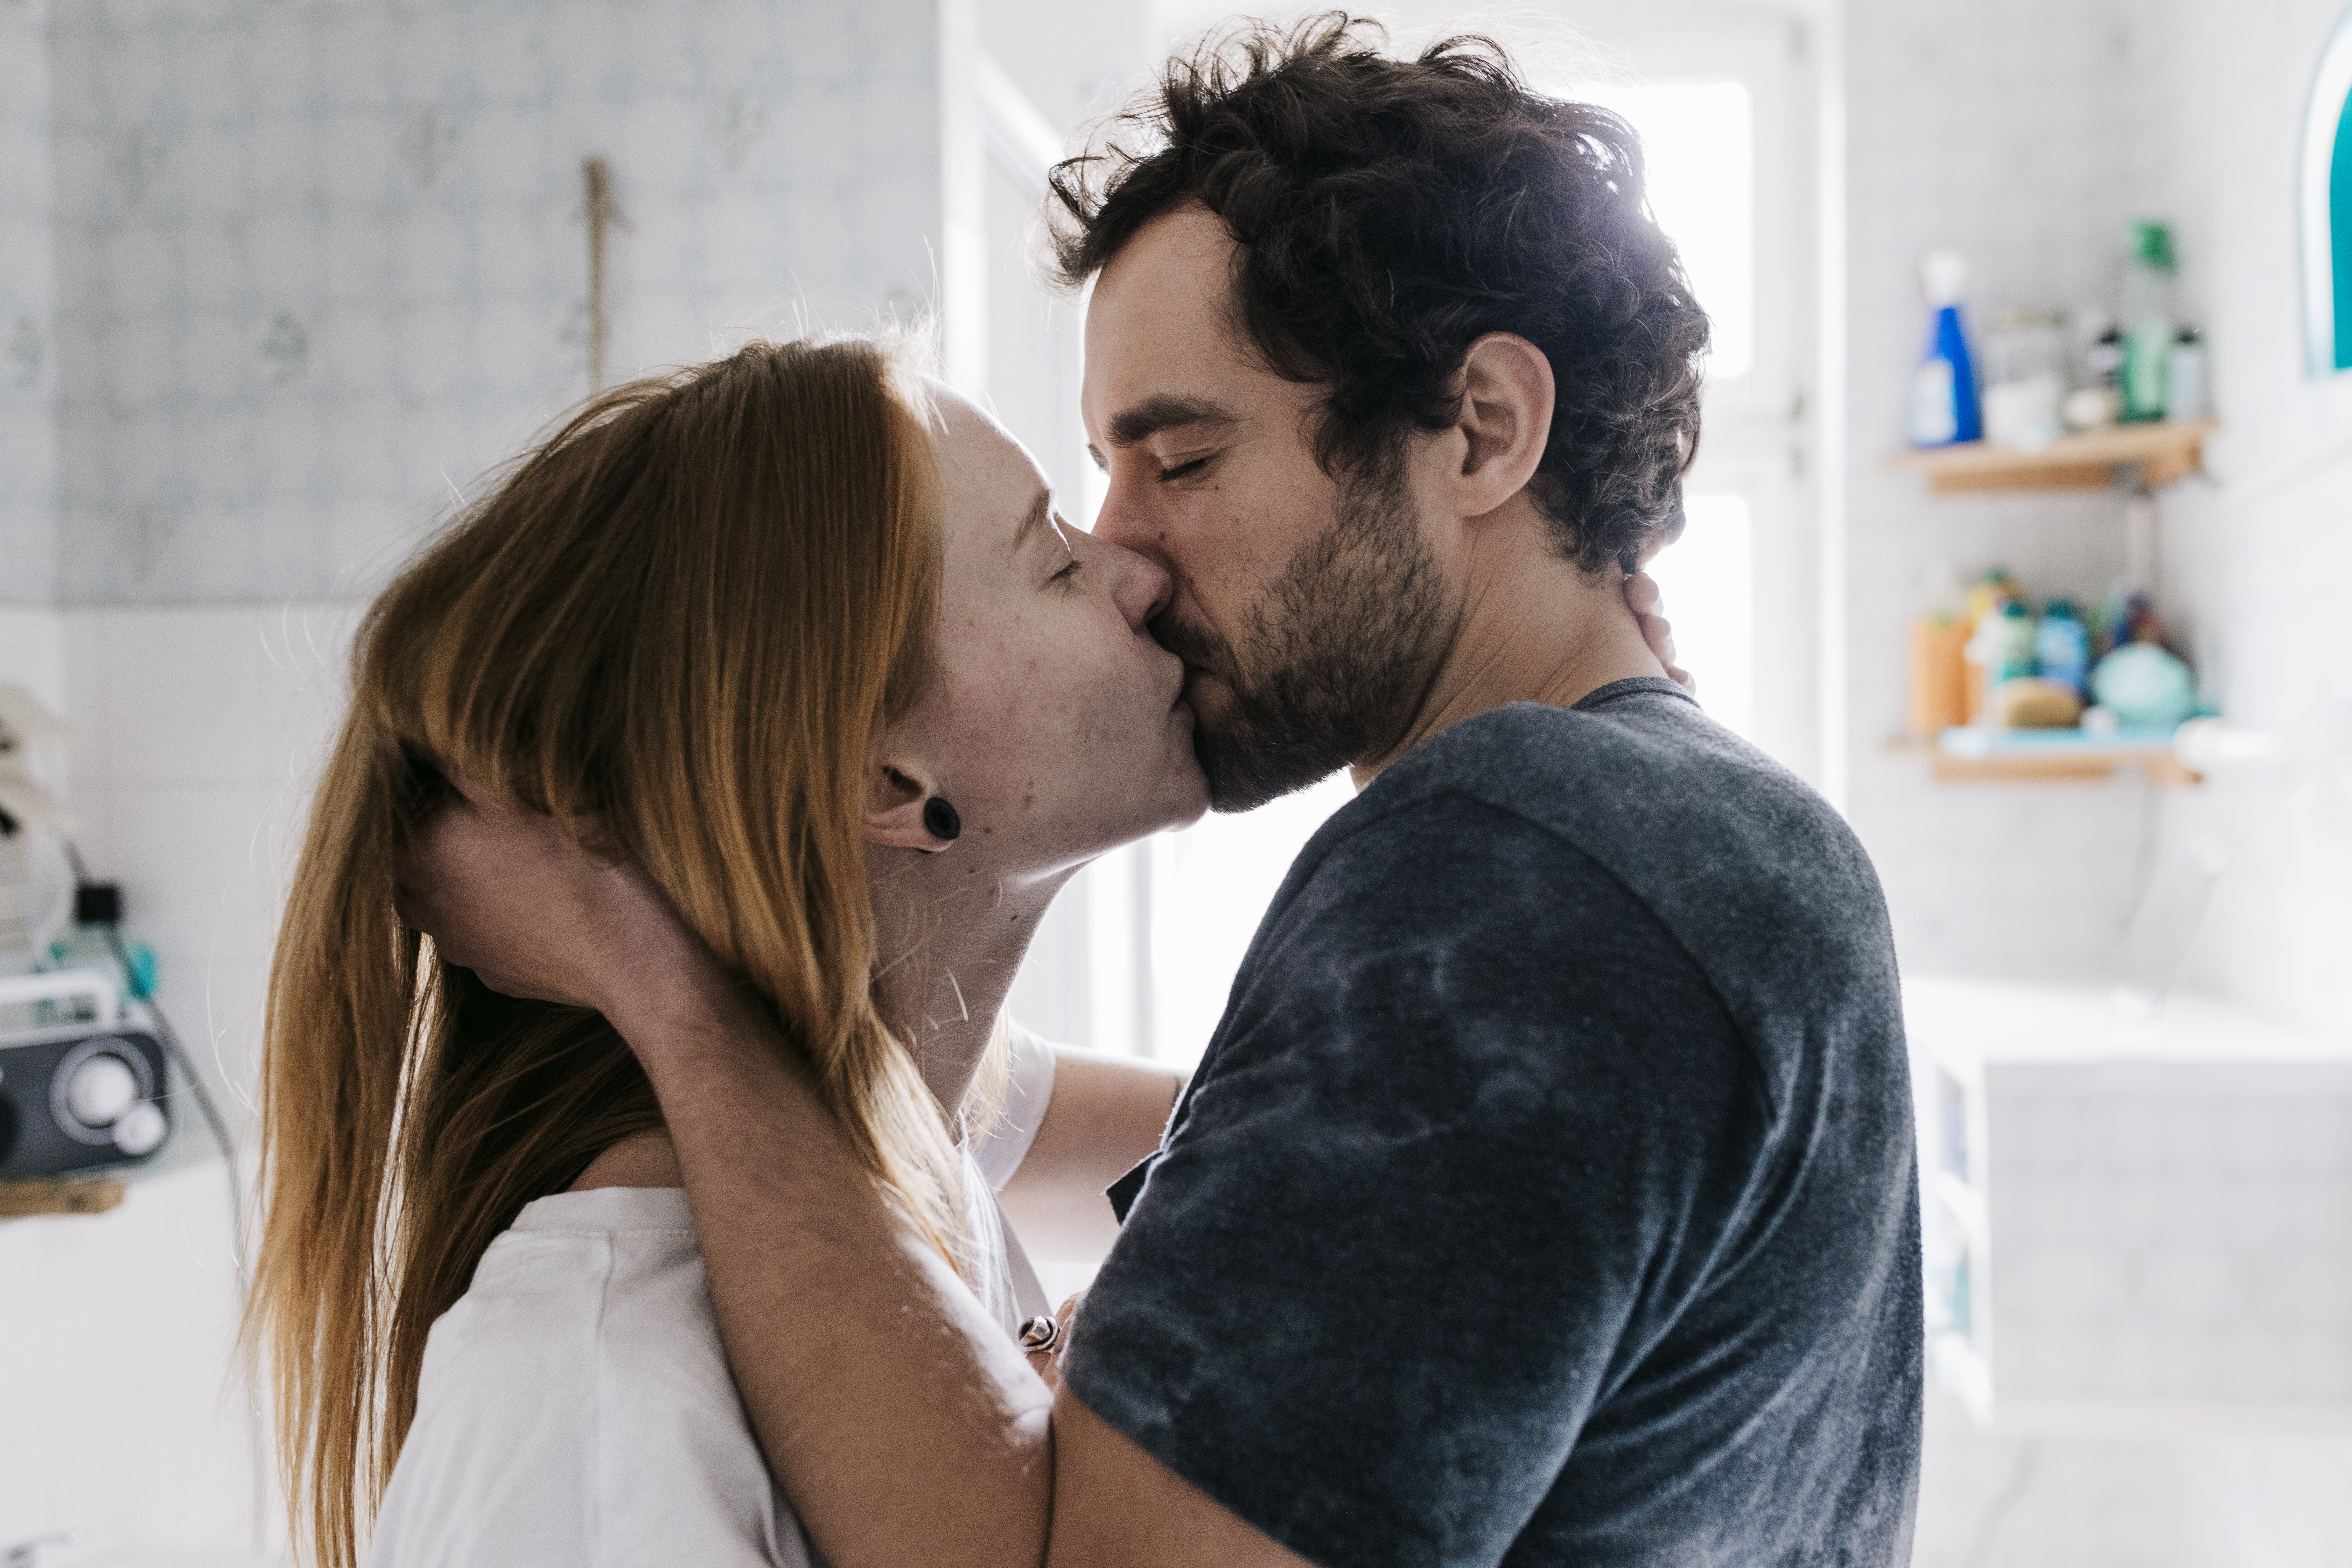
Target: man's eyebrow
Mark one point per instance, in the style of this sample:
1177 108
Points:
1167 412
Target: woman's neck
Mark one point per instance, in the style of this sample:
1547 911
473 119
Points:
951 938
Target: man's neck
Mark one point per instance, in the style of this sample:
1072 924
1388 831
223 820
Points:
952 943
1531 628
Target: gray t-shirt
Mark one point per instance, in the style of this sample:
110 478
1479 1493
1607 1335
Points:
1547 1193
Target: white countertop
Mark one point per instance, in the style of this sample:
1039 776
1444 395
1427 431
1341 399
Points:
1976 1021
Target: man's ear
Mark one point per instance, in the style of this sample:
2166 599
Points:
1506 420
894 796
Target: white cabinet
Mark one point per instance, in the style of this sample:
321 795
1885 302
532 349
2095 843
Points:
2132 1224
124 1413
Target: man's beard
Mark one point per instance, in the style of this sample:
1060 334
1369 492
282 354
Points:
1342 650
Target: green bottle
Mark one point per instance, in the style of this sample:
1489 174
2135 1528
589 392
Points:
2014 654
2148 325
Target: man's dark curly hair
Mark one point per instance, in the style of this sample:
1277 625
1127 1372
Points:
1391 211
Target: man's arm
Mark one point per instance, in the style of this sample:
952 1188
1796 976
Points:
904 1426
938 1443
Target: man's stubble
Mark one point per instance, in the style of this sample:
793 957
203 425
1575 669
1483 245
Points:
1339 652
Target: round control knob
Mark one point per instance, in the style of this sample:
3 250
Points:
141 1129
101 1089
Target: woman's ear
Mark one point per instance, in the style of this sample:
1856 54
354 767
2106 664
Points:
896 795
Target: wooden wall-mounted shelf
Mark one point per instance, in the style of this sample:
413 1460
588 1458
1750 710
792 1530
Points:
60 1195
2161 768
2163 454
2043 756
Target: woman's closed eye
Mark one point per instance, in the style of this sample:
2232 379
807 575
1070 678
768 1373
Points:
1067 571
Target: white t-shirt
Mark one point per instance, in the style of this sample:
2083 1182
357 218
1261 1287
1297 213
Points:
576 1410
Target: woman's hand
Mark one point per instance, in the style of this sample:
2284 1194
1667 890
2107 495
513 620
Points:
510 896
1047 1364
1642 597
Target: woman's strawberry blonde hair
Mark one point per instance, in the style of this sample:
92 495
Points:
686 615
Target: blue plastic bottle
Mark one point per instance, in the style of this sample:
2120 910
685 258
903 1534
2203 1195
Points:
1943 407
2062 646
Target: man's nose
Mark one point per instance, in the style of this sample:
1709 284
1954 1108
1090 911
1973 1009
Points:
1124 519
1144 586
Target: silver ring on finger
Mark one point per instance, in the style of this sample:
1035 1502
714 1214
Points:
1041 1335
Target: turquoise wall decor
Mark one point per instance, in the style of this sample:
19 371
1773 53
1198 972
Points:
2327 208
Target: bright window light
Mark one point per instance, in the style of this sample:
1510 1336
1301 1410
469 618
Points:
1093 487
1210 885
1699 138
1707 580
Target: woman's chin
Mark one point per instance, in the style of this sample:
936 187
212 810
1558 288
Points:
1188 780
1178 799
1196 792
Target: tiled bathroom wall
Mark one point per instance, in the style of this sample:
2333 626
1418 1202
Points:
28 435
2263 552
323 264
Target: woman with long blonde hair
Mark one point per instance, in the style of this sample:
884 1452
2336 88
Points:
797 636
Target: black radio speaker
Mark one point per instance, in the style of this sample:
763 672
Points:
79 1093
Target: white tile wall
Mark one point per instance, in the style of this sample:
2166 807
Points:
29 436
203 731
2265 552
321 263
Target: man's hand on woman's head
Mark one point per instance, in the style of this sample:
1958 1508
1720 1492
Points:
1641 596
513 896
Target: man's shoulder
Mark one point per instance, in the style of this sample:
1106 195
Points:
1638 779
1634 761
1748 872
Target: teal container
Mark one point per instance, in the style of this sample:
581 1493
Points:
2013 647
2145 687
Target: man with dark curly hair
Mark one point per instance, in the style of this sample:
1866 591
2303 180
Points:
1355 251
1546 1193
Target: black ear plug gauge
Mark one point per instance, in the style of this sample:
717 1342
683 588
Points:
941 819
